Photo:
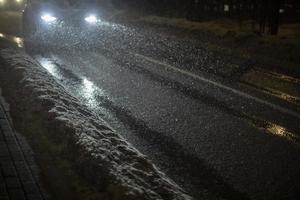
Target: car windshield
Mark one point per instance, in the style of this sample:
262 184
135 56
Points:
71 3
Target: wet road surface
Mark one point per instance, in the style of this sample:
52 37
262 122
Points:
202 145
215 138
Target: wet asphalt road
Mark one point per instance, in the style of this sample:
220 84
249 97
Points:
180 105
203 146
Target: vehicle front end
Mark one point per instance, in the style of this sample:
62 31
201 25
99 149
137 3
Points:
50 24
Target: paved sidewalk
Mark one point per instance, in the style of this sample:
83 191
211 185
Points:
18 172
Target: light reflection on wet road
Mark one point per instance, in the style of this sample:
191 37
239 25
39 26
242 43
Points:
283 132
281 86
17 40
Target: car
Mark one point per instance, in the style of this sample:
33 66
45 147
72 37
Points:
59 20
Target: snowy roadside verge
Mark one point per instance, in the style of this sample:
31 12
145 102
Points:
101 156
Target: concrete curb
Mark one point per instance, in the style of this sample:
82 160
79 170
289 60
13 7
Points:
101 157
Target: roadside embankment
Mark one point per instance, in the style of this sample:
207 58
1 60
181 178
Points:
278 53
81 157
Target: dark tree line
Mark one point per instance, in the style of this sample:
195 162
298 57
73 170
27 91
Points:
265 13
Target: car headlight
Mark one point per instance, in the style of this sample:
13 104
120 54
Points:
92 19
48 18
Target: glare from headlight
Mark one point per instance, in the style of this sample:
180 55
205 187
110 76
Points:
48 18
92 19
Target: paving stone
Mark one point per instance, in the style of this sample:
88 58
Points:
8 169
12 182
21 165
28 154
26 177
4 152
30 160
7 134
3 120
2 115
34 168
18 157
18 170
14 147
1 177
34 197
10 141
16 194
31 188
5 158
3 146
3 191
2 138
5 125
